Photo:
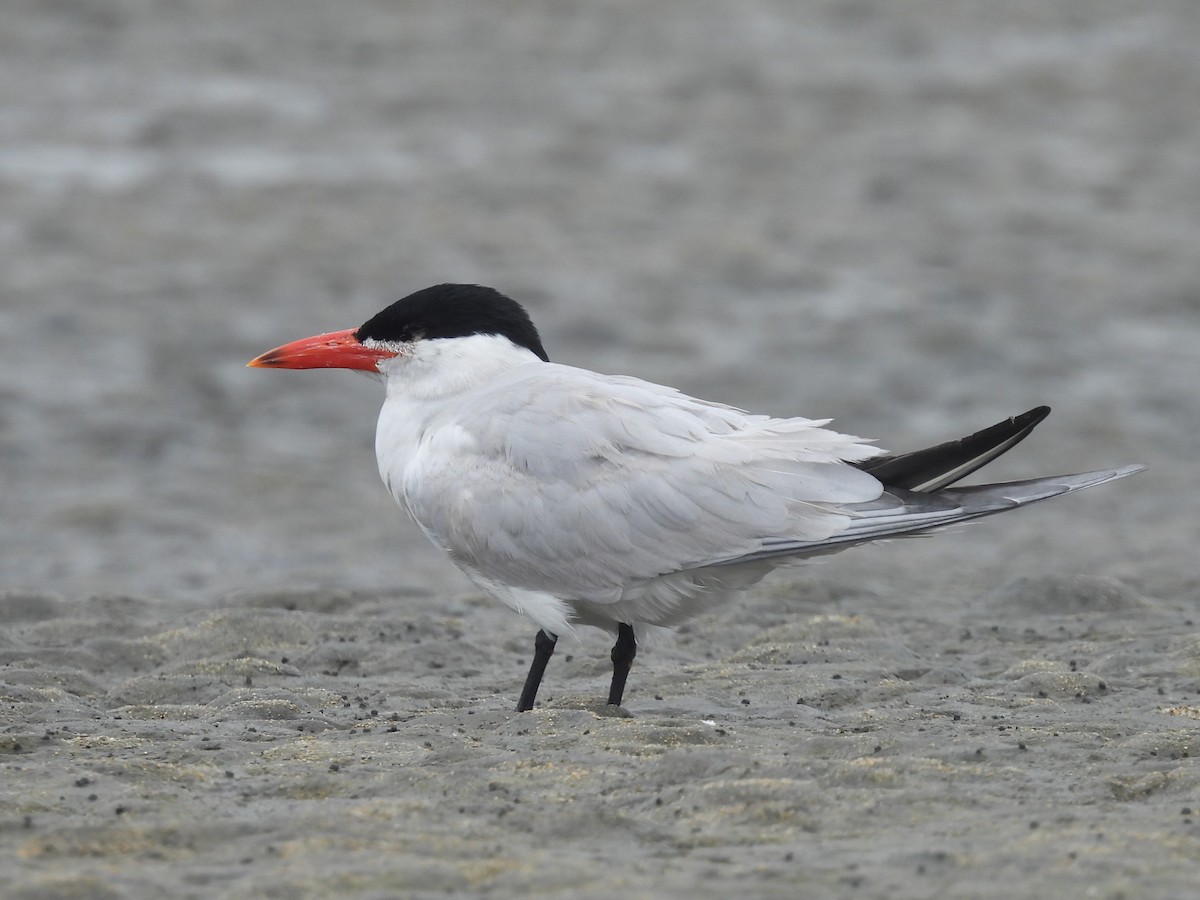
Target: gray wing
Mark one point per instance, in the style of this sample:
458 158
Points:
581 485
898 512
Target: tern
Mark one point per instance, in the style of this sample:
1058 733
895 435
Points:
578 498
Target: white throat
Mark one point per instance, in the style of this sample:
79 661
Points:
423 380
430 370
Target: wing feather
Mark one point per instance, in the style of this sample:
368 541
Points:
609 481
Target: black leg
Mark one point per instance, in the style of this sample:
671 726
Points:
543 647
623 652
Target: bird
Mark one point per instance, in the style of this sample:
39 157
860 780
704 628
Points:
579 498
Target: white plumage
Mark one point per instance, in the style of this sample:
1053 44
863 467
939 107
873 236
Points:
581 498
598 493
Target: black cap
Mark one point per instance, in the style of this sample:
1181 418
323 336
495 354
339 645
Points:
450 311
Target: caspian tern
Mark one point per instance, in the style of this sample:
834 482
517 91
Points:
578 498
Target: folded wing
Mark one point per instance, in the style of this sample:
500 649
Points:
899 513
611 481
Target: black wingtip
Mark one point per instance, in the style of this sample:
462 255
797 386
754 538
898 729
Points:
1034 416
934 468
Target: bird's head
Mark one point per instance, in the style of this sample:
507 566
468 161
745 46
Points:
440 312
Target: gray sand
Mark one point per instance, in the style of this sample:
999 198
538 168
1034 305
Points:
231 667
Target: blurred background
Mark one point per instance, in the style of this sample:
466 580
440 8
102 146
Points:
917 218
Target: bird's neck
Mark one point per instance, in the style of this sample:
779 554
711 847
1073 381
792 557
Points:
423 383
436 370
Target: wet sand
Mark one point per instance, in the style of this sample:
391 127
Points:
229 667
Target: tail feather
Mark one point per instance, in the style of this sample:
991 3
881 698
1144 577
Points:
901 513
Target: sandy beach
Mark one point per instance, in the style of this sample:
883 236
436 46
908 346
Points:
230 667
